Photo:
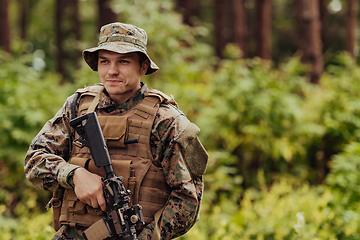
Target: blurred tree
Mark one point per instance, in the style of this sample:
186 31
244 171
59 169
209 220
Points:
67 11
221 31
230 25
323 19
263 36
4 25
76 29
24 9
189 10
351 22
240 26
60 35
106 14
309 30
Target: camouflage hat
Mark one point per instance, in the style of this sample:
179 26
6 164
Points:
121 38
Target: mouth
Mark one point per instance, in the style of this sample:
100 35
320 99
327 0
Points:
112 81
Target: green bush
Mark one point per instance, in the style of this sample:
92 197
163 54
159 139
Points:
287 209
258 114
28 98
29 227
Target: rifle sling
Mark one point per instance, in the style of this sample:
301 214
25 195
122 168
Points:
156 233
94 103
97 231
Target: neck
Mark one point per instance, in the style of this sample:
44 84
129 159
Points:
121 98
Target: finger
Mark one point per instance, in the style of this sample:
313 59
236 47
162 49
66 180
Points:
87 202
94 203
101 202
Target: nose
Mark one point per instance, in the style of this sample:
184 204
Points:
113 70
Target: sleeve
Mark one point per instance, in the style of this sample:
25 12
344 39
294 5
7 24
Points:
46 163
182 209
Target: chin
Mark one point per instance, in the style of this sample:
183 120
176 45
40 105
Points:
115 92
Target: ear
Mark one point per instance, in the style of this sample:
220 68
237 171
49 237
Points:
144 67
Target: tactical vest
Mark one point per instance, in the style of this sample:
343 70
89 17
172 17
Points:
134 162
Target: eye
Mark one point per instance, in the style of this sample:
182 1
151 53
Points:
123 61
103 61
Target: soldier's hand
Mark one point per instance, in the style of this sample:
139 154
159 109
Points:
88 188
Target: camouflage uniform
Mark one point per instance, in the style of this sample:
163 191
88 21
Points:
46 163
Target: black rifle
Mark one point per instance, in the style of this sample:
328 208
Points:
119 219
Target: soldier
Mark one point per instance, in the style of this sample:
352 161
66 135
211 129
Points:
163 171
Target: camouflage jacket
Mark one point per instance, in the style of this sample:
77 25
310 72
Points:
47 167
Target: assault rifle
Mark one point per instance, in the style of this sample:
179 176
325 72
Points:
119 219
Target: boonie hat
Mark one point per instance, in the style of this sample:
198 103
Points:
120 38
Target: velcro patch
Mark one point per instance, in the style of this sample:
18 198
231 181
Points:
193 151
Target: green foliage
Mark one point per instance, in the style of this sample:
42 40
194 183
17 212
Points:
344 176
28 98
222 190
343 180
340 101
286 211
335 107
29 227
266 129
256 112
319 119
274 118
290 209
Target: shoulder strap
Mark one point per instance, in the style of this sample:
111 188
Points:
162 96
90 95
91 89
94 103
156 233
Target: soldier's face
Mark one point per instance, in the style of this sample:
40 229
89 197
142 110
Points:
120 74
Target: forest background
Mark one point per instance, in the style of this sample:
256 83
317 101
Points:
272 85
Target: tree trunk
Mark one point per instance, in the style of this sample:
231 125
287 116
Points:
263 36
309 31
67 59
76 29
24 10
4 25
230 25
240 26
189 9
60 54
352 9
323 19
106 14
219 25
